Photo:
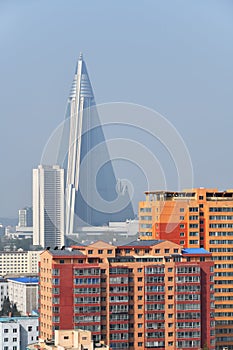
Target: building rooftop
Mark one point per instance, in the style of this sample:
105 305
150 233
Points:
7 319
146 243
26 280
195 251
64 252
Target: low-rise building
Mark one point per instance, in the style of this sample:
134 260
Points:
76 339
23 292
17 332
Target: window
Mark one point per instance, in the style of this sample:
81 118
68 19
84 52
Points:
139 289
140 344
181 242
139 315
181 225
175 250
100 251
201 198
157 251
181 234
62 261
15 340
14 347
166 251
14 330
201 205
109 251
66 337
6 331
139 335
140 270
181 210
90 251
170 269
139 279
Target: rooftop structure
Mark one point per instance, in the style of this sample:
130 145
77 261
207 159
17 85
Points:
75 339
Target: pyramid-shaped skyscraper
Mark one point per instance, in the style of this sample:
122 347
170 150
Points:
90 180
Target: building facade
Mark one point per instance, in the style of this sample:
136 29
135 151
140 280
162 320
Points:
146 294
17 332
72 339
3 290
198 218
25 217
23 291
48 206
19 262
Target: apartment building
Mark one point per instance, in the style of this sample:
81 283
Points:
17 332
23 291
198 218
19 262
146 294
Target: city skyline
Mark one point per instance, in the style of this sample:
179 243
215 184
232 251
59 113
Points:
184 50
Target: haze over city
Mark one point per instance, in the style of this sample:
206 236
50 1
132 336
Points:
174 57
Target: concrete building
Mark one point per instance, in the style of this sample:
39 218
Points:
145 294
23 291
3 290
83 135
48 206
17 332
25 217
196 218
76 339
19 262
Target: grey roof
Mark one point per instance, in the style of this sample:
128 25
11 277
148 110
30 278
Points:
146 243
65 252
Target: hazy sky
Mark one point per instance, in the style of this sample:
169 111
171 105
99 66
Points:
173 56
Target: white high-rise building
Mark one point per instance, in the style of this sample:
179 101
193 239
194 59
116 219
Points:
48 206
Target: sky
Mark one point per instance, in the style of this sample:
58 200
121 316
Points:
172 56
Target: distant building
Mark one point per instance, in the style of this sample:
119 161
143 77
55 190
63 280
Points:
3 290
84 135
17 332
141 295
2 230
23 291
19 262
48 206
25 217
76 339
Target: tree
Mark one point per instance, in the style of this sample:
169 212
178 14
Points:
9 309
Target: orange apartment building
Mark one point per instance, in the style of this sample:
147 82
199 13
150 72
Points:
143 295
198 218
